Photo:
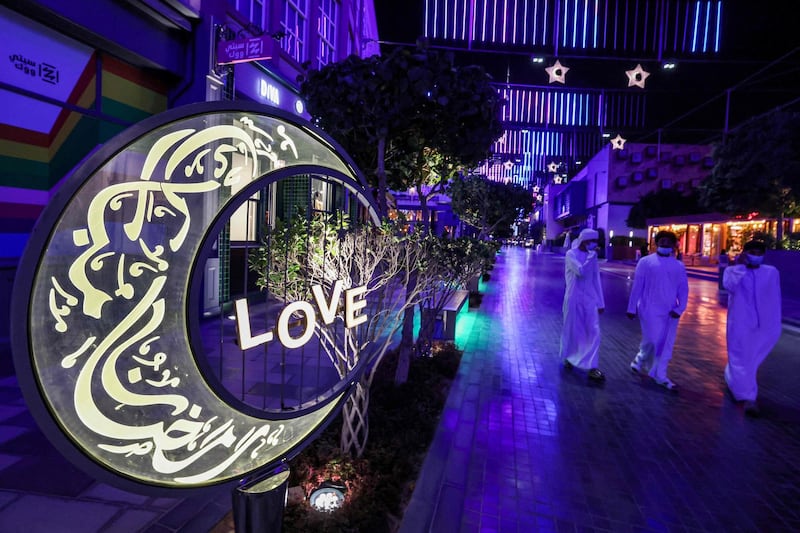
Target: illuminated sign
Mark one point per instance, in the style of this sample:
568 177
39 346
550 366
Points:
269 91
242 50
105 359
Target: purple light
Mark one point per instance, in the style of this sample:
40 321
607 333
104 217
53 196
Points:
483 21
696 25
718 29
705 33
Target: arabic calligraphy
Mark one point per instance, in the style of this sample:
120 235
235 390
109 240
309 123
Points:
107 321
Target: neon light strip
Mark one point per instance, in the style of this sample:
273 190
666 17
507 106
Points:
483 21
719 27
705 33
696 24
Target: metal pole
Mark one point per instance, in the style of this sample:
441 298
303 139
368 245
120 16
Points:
258 504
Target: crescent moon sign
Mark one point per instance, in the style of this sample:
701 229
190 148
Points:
105 361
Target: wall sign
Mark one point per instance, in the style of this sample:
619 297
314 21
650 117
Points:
104 287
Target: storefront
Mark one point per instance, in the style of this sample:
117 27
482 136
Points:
702 238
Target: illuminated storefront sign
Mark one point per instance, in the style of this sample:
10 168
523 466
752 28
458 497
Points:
261 86
104 288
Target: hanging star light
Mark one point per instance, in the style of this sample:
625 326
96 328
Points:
637 76
618 143
557 72
508 165
535 188
552 167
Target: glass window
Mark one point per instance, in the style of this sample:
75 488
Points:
252 10
326 29
295 16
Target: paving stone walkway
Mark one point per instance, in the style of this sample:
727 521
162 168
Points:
525 445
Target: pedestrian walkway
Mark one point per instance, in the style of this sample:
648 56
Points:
524 445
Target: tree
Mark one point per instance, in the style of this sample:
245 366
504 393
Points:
757 169
662 203
489 206
325 251
412 116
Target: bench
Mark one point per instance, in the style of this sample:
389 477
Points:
455 302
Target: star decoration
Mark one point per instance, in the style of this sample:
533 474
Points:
552 167
637 76
508 164
557 180
535 188
618 143
557 72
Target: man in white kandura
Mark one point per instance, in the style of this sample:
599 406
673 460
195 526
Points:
658 297
754 321
583 305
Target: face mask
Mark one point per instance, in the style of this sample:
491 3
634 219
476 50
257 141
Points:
664 251
754 259
591 246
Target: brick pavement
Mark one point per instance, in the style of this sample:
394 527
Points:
525 446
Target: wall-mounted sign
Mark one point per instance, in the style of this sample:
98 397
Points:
40 60
242 50
105 291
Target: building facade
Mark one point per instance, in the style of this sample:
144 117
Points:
601 194
77 73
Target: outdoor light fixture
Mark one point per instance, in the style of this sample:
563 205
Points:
669 65
327 497
618 142
557 72
537 59
637 76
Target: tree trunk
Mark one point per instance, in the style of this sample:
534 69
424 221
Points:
407 336
381 173
426 213
355 426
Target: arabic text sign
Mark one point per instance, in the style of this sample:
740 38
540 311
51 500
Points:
242 50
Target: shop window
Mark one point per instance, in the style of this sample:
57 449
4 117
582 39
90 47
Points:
638 177
622 181
326 28
650 151
294 23
652 173
636 157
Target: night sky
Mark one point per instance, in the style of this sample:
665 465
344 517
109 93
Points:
689 97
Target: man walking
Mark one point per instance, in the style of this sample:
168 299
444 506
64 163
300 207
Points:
658 297
754 321
583 305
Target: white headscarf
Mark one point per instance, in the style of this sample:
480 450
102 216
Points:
586 234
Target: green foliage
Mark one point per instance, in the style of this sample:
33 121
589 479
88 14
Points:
490 206
662 203
792 241
379 484
757 168
409 118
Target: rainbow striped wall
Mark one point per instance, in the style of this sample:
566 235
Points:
32 163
